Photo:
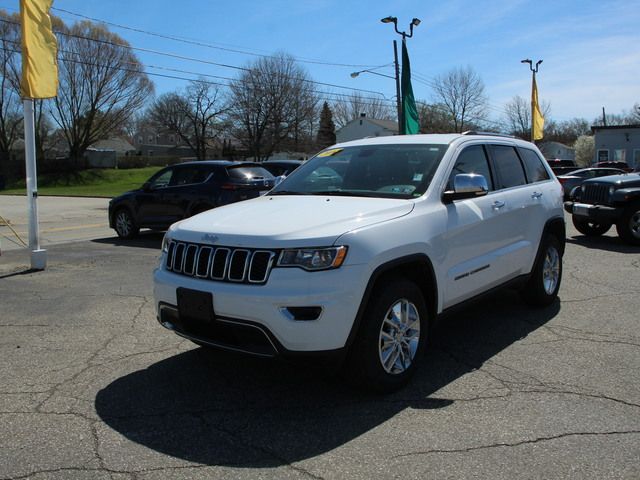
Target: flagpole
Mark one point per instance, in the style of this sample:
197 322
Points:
38 255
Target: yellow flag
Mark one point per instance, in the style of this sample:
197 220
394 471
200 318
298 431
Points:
537 120
39 50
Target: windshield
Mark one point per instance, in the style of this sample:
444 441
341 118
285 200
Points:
388 171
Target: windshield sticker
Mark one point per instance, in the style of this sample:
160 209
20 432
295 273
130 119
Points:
329 153
417 177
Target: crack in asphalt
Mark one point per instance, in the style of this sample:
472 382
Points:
516 444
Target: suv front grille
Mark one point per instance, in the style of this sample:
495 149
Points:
223 264
594 193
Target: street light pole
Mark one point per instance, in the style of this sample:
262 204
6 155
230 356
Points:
398 97
534 70
414 23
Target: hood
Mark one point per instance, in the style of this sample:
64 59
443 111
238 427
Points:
287 221
622 181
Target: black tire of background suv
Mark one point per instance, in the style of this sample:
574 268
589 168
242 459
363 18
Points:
534 292
590 228
363 367
623 227
134 228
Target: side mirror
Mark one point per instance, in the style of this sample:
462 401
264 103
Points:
466 185
146 187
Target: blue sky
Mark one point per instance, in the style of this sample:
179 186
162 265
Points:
591 49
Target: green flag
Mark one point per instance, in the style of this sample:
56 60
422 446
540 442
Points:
409 110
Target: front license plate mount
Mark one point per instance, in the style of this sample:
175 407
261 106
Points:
195 306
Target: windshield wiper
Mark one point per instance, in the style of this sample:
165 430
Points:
344 193
287 192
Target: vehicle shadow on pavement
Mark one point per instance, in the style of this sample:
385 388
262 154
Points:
218 408
143 240
605 242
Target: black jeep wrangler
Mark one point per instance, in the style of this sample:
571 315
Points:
600 202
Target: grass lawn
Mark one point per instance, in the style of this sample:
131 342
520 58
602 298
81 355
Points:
96 182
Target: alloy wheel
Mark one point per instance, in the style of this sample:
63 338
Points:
399 337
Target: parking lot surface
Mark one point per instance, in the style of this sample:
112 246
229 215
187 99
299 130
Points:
93 388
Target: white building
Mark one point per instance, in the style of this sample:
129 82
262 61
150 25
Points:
366 127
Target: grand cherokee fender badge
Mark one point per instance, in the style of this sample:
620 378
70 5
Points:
210 237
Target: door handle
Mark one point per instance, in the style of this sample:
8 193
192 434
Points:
536 195
498 204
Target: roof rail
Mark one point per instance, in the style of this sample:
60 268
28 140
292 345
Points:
493 134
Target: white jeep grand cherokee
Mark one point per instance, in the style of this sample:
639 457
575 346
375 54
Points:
362 248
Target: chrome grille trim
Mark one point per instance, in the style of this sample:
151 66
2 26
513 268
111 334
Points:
189 263
270 261
225 252
236 263
178 257
208 257
223 264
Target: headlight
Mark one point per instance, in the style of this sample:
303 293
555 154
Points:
313 258
165 243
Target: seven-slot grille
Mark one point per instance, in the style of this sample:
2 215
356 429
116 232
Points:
224 264
594 193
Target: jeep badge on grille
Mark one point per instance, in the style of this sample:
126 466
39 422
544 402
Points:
209 237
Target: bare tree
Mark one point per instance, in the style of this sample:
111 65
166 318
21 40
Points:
461 92
194 116
434 118
101 85
269 100
10 105
352 106
518 116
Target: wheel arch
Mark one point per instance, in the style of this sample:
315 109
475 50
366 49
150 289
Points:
557 228
417 268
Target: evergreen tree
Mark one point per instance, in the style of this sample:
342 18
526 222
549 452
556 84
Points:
327 129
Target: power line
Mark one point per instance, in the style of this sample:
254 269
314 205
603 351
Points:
322 95
182 57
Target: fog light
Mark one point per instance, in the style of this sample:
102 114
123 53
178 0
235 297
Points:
302 313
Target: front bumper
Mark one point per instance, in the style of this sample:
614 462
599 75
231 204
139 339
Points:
600 213
260 310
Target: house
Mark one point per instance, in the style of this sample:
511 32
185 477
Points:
617 143
105 153
557 150
366 127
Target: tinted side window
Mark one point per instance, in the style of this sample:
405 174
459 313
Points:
533 165
161 179
471 160
248 173
189 175
507 163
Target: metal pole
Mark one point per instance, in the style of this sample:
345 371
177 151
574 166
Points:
533 79
38 255
398 97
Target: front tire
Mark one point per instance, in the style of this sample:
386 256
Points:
124 224
392 337
628 227
543 285
590 228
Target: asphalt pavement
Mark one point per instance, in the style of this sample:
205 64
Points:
93 388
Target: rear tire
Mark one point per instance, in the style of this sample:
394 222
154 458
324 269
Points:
392 337
589 227
628 227
124 224
543 285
